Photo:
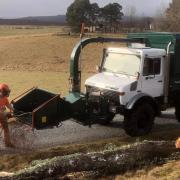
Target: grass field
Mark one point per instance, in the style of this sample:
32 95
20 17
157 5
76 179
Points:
21 81
38 58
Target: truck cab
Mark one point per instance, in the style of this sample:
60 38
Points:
125 76
130 71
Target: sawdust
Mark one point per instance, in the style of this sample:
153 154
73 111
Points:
22 135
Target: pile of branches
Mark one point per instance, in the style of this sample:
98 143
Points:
113 161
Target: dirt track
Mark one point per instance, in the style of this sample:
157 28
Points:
72 132
166 128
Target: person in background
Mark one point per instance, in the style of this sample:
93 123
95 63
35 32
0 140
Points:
4 115
178 143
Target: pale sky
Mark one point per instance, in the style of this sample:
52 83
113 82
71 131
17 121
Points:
21 8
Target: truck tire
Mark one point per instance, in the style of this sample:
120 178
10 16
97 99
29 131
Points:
139 121
177 112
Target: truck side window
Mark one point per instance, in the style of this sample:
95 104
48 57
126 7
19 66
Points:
152 66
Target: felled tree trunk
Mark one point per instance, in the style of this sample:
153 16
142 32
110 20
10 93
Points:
107 162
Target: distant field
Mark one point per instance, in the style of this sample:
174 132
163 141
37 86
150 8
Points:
28 30
38 56
45 52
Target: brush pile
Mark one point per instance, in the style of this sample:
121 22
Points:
112 161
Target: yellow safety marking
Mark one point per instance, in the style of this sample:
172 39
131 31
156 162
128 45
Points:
44 119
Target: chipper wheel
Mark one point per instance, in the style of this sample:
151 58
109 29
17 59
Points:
140 121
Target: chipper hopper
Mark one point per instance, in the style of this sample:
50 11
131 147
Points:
40 109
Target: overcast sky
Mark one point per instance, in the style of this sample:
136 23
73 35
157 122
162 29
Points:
21 8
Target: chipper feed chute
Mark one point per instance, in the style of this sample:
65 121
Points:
40 109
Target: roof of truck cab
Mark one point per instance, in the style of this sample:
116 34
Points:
153 52
139 51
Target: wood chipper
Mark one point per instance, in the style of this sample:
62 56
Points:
138 81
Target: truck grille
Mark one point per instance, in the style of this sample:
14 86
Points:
107 94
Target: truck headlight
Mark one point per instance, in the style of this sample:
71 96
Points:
121 93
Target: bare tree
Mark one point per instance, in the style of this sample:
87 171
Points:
171 22
159 22
131 13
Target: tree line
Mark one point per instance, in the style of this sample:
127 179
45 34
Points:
82 11
170 19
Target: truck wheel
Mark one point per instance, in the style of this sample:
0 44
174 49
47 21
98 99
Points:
177 113
140 121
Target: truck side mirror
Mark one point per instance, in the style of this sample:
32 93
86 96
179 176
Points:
137 75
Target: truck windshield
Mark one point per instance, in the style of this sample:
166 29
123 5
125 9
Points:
127 64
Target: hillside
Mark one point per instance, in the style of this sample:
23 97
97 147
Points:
35 20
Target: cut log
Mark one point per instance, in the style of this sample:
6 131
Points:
114 161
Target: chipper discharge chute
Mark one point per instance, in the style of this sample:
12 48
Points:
40 109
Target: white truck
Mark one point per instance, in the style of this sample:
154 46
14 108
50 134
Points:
126 76
138 82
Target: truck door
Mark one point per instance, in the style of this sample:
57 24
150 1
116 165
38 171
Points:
152 77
